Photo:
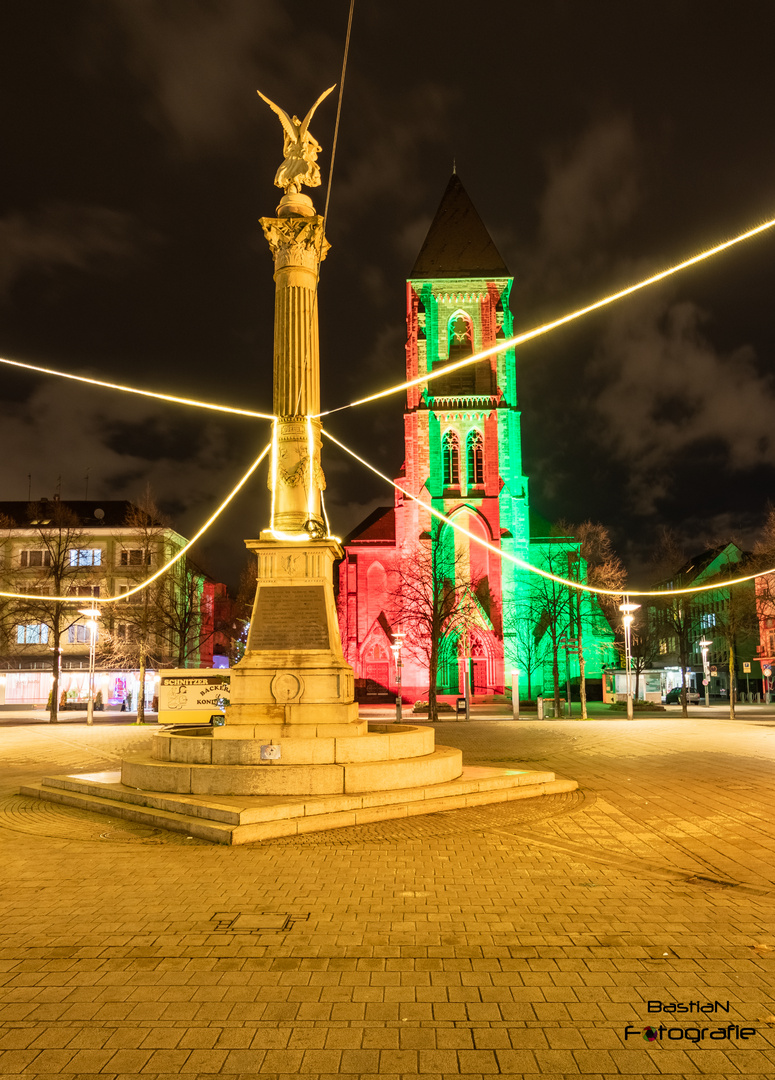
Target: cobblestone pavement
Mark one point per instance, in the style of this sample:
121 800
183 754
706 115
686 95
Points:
523 938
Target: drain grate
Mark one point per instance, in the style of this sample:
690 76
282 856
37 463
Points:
255 922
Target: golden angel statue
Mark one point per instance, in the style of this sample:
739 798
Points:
300 149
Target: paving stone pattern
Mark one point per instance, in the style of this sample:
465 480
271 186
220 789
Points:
518 939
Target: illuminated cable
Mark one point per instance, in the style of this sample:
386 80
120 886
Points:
338 112
33 598
325 518
311 477
535 569
134 390
537 331
273 484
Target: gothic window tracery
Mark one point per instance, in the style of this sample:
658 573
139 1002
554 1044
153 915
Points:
475 459
460 336
450 453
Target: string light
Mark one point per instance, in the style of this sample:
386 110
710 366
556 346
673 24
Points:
135 390
538 331
273 484
162 570
535 569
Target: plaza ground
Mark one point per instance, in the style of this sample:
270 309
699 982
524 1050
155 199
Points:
522 938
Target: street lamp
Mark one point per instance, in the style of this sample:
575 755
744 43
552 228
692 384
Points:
627 610
93 615
395 648
704 646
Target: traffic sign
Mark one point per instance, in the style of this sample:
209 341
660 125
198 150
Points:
705 682
713 669
746 667
767 671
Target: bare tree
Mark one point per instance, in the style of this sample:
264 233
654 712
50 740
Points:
675 616
734 619
553 607
520 628
645 643
243 608
56 559
603 569
434 599
136 636
178 608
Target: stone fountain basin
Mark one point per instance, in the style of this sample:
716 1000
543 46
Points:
386 757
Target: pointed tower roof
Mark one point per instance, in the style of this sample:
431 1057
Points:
458 244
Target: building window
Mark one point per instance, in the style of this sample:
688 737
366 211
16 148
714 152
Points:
36 558
79 634
32 634
707 620
84 590
450 452
475 459
85 556
134 557
461 336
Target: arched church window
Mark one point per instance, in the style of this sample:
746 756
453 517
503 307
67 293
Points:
450 453
475 458
460 336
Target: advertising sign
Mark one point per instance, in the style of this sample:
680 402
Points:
192 695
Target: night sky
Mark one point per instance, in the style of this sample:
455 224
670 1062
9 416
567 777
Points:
600 142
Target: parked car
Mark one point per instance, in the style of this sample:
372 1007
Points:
673 697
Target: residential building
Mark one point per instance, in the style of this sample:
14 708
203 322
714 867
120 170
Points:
723 617
94 549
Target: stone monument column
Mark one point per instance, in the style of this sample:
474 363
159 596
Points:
293 681
296 479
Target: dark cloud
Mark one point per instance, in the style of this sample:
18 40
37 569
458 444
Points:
663 388
598 143
60 235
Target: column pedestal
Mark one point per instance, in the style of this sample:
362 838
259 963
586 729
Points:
293 680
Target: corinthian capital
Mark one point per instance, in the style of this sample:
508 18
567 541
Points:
296 241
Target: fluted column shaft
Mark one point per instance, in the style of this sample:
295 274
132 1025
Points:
296 477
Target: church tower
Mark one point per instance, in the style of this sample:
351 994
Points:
462 430
463 455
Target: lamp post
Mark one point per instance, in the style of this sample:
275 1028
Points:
395 648
627 610
93 615
515 694
704 646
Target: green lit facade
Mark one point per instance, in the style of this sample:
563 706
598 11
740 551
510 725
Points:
463 446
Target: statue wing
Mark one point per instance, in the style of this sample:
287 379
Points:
308 117
285 119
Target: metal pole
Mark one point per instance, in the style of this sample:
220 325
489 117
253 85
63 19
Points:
399 710
92 651
569 709
467 677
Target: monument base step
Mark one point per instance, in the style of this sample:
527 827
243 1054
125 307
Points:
233 819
